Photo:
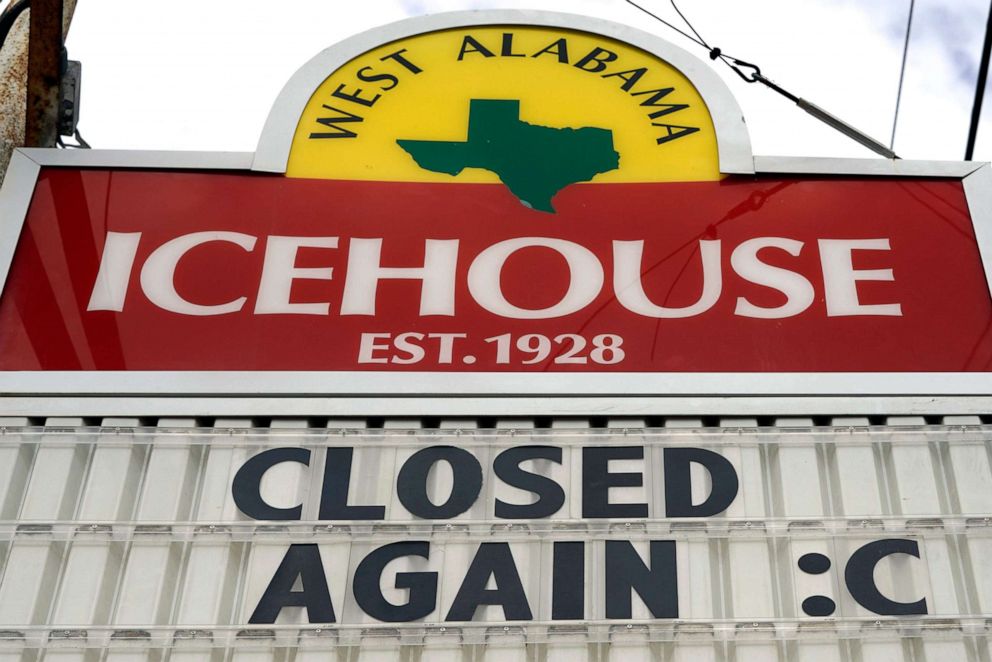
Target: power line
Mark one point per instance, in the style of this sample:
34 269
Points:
715 53
983 73
661 20
902 73
751 73
686 21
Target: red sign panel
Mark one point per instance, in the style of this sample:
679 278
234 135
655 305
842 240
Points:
156 270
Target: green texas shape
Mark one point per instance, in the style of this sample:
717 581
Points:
535 162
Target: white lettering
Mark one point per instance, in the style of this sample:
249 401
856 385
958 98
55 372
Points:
438 276
110 288
158 274
403 344
446 345
840 278
627 257
437 296
368 347
279 271
798 291
585 278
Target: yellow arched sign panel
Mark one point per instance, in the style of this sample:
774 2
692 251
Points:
518 104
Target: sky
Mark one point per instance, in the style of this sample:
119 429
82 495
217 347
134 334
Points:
202 74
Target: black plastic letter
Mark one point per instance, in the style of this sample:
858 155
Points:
859 575
247 484
550 495
421 585
597 481
678 484
657 585
411 483
568 581
492 560
334 494
303 562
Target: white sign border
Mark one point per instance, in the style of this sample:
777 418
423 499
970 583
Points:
733 142
19 187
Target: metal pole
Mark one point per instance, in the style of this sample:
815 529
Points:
44 73
983 73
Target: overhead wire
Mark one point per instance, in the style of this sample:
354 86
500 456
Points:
685 34
976 107
686 21
751 73
902 74
715 52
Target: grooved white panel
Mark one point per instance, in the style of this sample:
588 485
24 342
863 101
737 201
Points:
125 544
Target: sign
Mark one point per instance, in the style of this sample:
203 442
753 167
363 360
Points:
532 108
709 276
465 203
480 204
172 529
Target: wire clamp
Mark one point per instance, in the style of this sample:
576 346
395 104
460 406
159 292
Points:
738 65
